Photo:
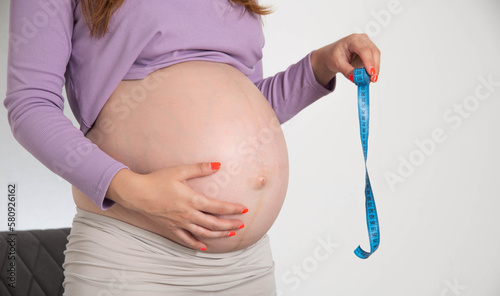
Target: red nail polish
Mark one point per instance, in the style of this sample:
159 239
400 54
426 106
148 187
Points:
374 78
245 210
232 233
203 249
372 71
241 226
215 165
351 77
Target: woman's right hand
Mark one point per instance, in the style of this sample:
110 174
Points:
164 197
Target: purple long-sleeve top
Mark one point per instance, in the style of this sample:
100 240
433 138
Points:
50 47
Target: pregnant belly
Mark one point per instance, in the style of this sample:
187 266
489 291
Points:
199 112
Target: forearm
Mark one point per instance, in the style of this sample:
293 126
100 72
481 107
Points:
290 91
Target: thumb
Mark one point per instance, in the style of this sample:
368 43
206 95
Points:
196 170
345 68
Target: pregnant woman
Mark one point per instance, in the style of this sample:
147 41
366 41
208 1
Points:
179 166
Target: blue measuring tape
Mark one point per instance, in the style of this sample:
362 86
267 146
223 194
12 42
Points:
362 80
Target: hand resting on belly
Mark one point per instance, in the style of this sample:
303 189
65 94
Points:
167 128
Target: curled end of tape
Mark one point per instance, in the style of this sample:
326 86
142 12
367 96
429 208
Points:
361 77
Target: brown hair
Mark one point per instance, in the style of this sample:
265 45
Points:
98 13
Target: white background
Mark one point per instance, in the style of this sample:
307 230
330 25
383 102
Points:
439 221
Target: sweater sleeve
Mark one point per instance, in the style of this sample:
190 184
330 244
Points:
40 46
292 90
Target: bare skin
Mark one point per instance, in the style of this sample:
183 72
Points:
190 113
169 126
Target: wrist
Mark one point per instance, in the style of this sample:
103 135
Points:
122 187
321 71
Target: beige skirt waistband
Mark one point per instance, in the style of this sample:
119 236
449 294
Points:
111 257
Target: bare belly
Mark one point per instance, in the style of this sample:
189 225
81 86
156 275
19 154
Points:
198 112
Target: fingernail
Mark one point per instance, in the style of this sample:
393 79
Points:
374 78
372 71
203 249
215 165
232 233
351 77
245 210
241 226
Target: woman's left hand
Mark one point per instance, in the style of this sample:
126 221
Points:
343 56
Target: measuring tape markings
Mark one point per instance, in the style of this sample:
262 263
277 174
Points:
362 80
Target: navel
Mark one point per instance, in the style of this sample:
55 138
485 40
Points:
260 182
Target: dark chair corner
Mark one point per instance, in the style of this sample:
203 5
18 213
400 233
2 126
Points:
38 262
